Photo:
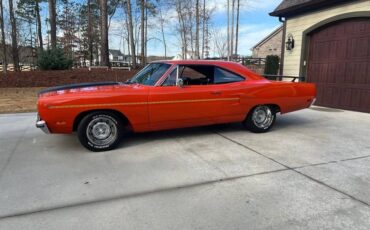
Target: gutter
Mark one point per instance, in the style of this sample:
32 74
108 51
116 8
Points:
282 45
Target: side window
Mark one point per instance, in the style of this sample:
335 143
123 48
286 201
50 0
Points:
171 79
197 75
222 76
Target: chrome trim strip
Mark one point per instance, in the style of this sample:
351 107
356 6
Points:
143 103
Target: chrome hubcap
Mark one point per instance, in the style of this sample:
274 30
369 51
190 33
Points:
101 131
262 117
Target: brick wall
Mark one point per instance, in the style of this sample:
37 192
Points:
61 77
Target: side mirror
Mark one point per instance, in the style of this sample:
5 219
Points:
180 82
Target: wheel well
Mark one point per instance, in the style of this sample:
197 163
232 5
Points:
80 116
275 107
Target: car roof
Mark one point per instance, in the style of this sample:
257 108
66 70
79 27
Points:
232 66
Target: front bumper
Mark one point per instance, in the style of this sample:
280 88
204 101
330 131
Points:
42 125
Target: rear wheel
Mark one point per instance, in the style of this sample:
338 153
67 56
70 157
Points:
100 131
260 119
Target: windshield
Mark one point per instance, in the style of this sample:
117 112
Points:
150 74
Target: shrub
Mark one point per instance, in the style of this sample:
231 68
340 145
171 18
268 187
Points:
53 59
272 64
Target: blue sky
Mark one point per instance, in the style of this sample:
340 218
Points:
255 24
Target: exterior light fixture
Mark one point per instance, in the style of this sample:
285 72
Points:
290 43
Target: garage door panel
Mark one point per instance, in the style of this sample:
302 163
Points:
358 47
365 99
339 64
345 96
357 73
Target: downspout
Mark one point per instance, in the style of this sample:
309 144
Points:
282 45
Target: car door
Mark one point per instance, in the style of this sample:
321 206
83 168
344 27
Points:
172 106
230 88
209 95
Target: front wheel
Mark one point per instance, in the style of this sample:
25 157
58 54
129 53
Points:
260 119
100 131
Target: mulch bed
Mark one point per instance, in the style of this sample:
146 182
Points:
62 77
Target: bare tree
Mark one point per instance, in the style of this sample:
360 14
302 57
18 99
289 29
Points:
39 27
197 25
237 27
53 23
3 37
220 42
13 23
162 22
104 49
89 31
182 31
131 33
204 27
232 28
142 30
228 30
186 20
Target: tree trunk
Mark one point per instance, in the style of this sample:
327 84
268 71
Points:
53 23
204 27
163 35
39 29
228 30
183 34
3 37
89 32
232 28
146 36
142 10
197 18
128 34
131 34
104 49
237 28
14 37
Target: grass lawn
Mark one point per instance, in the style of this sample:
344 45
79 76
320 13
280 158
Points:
17 100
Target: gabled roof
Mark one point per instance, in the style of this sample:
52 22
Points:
268 37
295 7
115 53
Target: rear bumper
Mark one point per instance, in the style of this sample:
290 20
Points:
42 125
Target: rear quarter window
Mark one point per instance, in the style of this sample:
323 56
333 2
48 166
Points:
222 76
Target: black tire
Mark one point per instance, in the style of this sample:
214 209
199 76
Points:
260 119
100 131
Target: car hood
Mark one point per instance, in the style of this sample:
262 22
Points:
72 87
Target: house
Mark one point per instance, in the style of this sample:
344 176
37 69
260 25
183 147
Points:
328 43
270 45
27 56
115 55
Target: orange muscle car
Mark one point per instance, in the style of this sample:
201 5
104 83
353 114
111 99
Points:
167 95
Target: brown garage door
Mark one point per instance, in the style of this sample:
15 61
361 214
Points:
339 64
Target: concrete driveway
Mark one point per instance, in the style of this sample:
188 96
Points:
312 171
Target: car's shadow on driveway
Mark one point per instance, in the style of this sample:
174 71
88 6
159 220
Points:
70 143
133 139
